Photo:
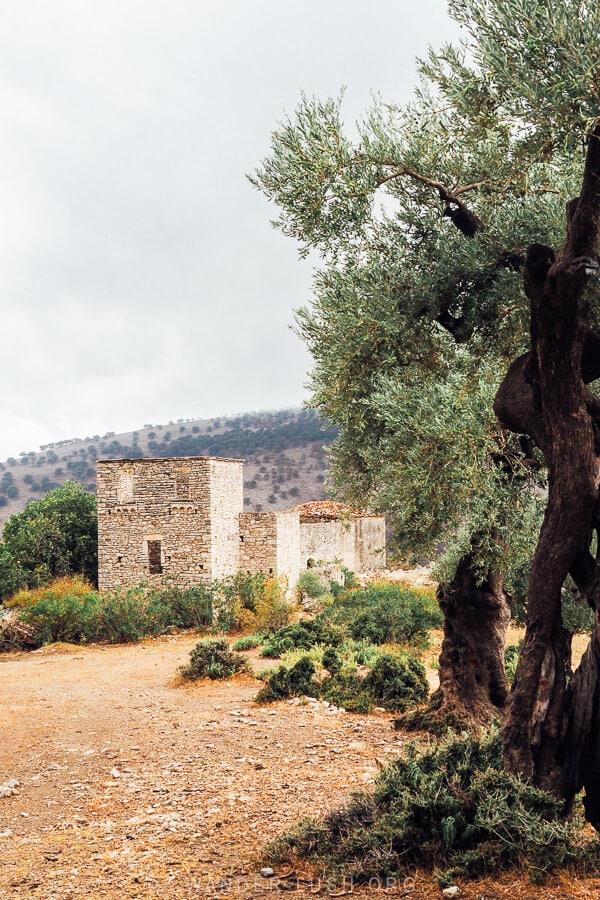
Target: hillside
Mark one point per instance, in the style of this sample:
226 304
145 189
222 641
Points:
283 450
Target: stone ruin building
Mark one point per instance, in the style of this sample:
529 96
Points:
183 519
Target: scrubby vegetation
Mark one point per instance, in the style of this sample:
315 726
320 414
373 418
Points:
381 612
450 808
310 586
212 658
249 641
250 602
376 613
347 637
394 682
70 609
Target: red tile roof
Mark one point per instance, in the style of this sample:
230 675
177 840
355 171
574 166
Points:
328 510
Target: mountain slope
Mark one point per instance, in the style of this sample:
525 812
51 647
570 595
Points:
283 451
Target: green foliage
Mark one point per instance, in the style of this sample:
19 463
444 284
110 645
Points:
248 641
55 616
377 613
450 807
54 536
577 616
302 636
188 607
310 585
284 682
397 683
212 658
412 324
381 612
331 661
511 658
394 683
244 601
128 615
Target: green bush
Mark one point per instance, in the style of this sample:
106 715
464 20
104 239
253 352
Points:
61 617
381 612
212 658
245 601
395 683
302 636
190 607
126 616
248 641
332 661
310 585
511 658
284 682
450 807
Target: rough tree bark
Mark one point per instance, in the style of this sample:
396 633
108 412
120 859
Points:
473 686
550 728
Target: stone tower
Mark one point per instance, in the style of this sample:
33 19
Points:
168 518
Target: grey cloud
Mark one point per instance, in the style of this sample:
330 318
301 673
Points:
139 276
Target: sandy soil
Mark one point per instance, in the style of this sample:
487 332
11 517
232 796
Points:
132 783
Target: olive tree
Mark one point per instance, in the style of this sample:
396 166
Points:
457 239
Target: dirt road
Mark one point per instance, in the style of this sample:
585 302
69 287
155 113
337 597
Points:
132 783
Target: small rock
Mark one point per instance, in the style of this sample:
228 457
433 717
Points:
8 788
357 746
267 872
451 891
115 773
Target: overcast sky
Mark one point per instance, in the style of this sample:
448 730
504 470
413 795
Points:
140 278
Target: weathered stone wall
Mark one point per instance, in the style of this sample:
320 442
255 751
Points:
155 520
258 542
288 546
329 541
270 543
226 504
370 543
359 544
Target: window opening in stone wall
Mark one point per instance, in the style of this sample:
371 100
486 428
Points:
125 486
182 484
154 558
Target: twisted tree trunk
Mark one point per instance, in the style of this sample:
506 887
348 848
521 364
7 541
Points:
544 396
473 685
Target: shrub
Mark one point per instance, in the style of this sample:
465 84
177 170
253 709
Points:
190 607
511 658
56 616
250 601
381 612
248 641
310 585
451 806
284 682
302 636
68 585
212 658
126 616
395 683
